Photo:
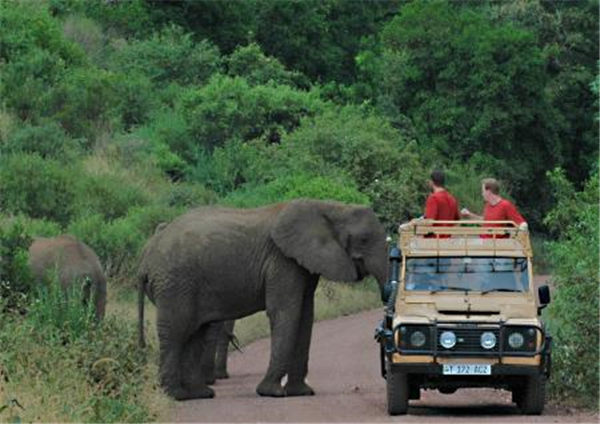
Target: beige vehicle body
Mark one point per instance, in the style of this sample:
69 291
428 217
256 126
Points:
464 312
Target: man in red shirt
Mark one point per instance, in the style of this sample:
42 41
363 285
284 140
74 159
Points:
440 204
496 208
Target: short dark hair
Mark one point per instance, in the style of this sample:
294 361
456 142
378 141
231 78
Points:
437 177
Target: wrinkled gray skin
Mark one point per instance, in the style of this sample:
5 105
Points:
74 262
214 362
216 264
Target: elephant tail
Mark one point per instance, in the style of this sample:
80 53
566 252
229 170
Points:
142 280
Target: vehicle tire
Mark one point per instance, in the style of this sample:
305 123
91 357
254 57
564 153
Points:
533 396
397 392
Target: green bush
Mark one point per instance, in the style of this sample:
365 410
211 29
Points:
62 366
15 277
47 140
252 64
297 186
85 102
573 312
386 166
34 55
230 108
107 195
169 55
36 187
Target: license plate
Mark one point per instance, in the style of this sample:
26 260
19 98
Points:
467 369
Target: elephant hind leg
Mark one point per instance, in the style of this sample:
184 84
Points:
177 349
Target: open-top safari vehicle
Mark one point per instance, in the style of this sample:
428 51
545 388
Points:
462 311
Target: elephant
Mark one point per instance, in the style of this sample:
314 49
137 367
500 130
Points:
73 261
214 264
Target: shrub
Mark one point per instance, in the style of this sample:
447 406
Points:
230 108
169 55
574 311
252 64
107 195
84 102
34 55
385 165
15 277
46 139
36 187
297 186
88 34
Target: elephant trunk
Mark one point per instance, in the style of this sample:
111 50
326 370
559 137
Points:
378 267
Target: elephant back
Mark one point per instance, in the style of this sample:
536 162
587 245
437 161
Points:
66 255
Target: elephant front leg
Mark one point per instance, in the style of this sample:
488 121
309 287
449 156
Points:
298 369
284 326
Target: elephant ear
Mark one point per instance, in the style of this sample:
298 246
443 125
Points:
306 232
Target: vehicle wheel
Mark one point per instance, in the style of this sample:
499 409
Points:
397 392
534 395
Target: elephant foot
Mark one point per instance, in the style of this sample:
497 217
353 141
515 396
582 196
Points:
268 388
200 392
298 389
221 374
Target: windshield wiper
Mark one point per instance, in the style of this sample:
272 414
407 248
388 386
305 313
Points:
502 290
452 288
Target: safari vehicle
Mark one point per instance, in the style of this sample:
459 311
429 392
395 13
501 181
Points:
462 311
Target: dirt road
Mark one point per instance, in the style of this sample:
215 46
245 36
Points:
344 372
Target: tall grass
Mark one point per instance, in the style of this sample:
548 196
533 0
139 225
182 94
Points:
59 364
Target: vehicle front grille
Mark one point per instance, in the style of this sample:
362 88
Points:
468 340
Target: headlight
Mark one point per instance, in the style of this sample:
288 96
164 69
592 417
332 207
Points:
516 340
488 340
448 339
417 339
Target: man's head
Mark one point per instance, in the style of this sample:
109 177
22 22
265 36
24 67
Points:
490 188
437 178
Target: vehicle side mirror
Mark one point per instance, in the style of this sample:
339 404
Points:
544 296
395 257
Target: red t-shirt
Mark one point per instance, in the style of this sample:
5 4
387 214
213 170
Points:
443 206
501 211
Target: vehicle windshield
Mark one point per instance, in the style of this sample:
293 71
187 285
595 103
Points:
467 273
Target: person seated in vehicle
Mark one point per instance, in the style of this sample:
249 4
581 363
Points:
496 208
440 204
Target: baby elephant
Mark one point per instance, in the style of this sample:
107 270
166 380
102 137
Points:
73 261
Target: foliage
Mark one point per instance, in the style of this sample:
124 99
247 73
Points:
33 56
47 139
229 108
471 85
169 55
61 366
293 187
574 311
384 165
15 277
37 187
253 65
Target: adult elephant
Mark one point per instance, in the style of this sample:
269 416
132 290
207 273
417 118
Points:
215 264
74 263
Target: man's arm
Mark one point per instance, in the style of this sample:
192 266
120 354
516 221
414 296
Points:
468 214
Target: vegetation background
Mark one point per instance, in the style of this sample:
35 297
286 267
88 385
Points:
117 115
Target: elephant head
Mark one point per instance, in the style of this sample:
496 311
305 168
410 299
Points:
74 262
337 241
